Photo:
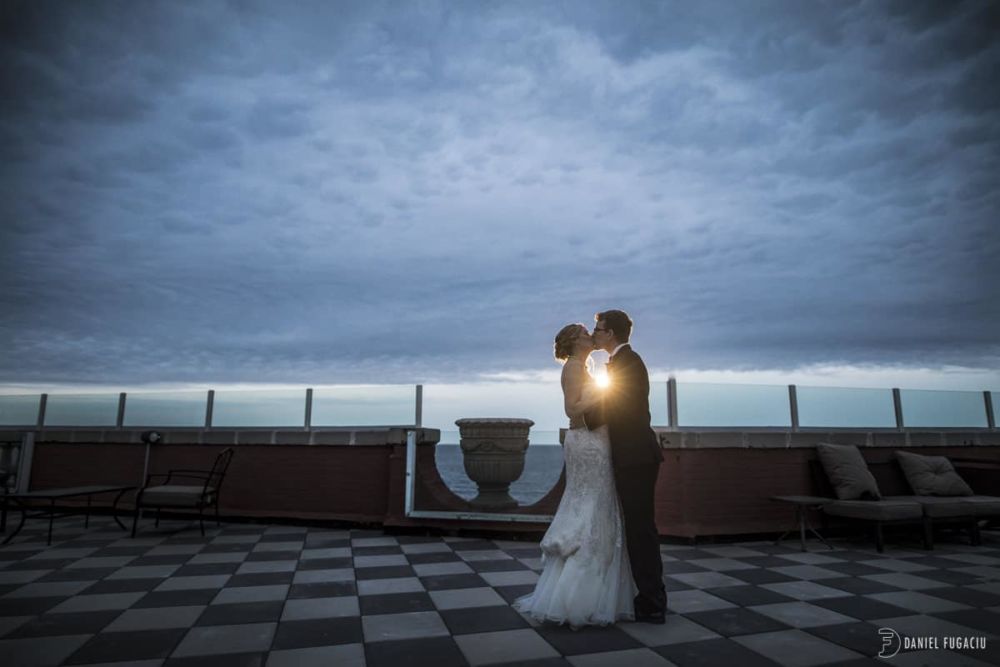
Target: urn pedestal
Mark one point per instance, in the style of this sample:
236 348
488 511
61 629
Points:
493 454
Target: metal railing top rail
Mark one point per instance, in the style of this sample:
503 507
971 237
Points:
982 413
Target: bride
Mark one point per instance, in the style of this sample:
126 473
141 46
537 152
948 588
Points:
586 577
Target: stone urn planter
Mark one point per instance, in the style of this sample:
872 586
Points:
493 453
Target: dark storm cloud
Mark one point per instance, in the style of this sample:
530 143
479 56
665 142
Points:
408 192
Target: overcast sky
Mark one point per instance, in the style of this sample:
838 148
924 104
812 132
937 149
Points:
301 193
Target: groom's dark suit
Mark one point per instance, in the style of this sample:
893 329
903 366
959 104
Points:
636 458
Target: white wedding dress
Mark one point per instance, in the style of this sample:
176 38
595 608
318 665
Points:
586 577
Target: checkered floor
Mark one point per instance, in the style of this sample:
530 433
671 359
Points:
250 594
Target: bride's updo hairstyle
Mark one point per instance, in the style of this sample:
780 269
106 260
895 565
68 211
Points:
564 340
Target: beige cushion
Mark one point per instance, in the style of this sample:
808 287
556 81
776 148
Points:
176 495
932 475
874 510
847 471
937 507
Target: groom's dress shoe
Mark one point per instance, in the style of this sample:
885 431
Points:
659 618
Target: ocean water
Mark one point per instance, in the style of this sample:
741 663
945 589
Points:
542 467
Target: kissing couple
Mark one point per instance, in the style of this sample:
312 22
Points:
601 553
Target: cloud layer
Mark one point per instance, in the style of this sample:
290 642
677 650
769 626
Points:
408 192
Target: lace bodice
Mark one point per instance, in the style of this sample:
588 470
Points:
588 390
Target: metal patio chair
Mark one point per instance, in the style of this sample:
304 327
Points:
181 496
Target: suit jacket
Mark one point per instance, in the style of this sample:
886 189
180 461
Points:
625 410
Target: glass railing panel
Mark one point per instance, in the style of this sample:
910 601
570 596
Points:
257 408
658 404
842 407
81 410
19 410
365 405
928 408
710 404
166 408
541 402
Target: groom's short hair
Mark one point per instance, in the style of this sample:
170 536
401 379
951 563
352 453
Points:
618 322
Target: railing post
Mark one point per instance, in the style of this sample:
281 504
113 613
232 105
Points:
672 402
990 418
793 404
309 407
42 402
120 421
897 404
420 406
209 405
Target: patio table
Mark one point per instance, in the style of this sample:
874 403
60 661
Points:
22 502
801 504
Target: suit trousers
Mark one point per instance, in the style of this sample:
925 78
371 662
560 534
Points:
636 487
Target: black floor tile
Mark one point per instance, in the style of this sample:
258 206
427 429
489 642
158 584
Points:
226 548
670 585
511 593
125 646
176 598
859 586
857 662
385 572
759 576
220 660
690 554
861 607
321 632
853 569
860 637
950 577
543 662
28 606
524 553
711 653
260 579
445 582
437 651
76 623
595 640
122 586
746 596
936 562
416 539
498 565
169 559
259 556
283 537
682 567
321 542
473 545
395 603
482 619
978 619
767 561
435 557
325 563
120 551
242 612
377 551
323 590
77 574
40 564
969 596
204 569
735 621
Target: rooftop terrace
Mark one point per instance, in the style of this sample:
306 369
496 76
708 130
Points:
275 595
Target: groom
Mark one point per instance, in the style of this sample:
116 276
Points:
635 456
